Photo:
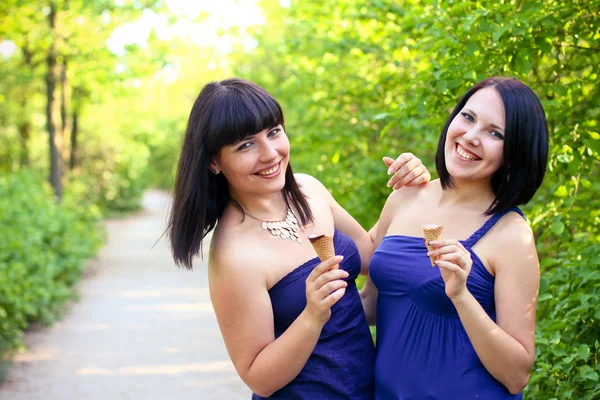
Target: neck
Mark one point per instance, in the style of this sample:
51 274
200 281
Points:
478 195
264 207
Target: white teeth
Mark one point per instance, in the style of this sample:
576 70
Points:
464 154
269 171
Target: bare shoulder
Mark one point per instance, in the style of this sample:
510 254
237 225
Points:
229 253
513 231
309 184
411 193
513 245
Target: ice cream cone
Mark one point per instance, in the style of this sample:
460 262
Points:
323 245
432 232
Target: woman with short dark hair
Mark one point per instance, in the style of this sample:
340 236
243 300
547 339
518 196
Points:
464 330
294 327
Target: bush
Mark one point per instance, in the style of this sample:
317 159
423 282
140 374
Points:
42 252
375 78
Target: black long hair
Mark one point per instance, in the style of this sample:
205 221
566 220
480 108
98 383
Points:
224 113
525 144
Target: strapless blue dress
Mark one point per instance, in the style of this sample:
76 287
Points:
423 351
341 365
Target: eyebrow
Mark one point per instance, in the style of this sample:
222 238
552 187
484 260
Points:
475 114
245 138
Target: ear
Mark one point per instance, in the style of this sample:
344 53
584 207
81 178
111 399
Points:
214 167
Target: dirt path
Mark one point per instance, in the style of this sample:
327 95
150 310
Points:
142 329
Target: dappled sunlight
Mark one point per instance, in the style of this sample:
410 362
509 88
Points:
170 350
202 307
213 382
33 356
94 371
164 292
92 327
216 366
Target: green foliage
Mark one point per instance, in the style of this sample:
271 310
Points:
374 78
42 251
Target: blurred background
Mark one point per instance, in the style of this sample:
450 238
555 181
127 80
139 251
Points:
95 95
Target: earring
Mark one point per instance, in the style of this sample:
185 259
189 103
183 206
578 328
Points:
214 171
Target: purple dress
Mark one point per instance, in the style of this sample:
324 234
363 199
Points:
423 351
341 365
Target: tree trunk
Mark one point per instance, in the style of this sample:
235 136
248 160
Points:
24 125
53 108
74 160
65 97
24 128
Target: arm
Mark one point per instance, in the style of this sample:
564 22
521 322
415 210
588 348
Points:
368 297
407 170
369 293
244 312
505 347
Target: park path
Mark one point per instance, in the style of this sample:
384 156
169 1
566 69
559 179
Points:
142 329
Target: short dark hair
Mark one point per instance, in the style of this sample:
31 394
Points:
224 113
525 144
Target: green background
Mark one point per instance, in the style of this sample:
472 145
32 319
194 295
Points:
357 80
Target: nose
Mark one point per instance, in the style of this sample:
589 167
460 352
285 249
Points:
471 136
268 151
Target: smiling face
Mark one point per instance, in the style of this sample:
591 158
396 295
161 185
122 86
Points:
474 147
255 165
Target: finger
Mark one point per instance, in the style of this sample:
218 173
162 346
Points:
421 179
449 266
446 242
409 171
455 258
444 250
333 298
409 177
400 161
329 288
330 275
322 267
388 161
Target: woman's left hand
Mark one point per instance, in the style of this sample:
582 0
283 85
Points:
408 170
455 265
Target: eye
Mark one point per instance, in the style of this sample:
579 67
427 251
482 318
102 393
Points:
467 116
244 146
273 132
497 135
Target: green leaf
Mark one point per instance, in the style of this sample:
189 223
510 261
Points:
522 63
557 227
386 129
561 191
587 373
564 158
498 33
544 297
441 85
584 352
544 283
336 158
380 116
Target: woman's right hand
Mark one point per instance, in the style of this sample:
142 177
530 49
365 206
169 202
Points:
324 287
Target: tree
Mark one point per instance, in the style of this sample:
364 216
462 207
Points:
369 78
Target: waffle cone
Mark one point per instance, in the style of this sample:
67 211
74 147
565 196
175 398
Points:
432 232
323 245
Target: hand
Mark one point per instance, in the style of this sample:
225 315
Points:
455 265
324 287
408 170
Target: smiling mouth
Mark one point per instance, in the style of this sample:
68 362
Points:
273 170
462 152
